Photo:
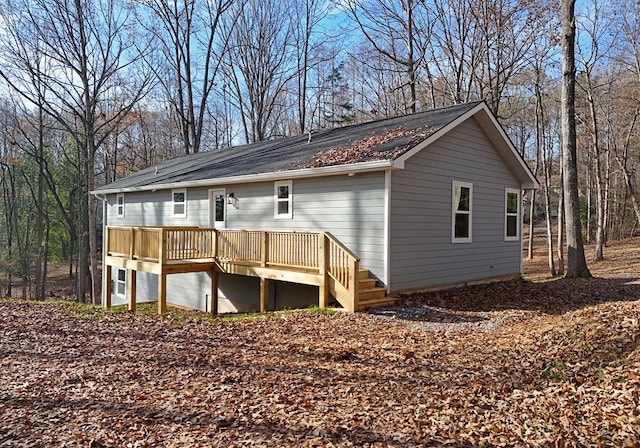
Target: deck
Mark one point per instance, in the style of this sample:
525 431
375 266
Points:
310 258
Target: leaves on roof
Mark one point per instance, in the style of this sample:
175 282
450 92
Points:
371 148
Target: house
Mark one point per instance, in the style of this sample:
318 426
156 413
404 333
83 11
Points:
426 200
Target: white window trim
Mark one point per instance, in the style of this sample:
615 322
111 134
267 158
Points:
119 208
454 210
507 214
118 281
173 204
276 200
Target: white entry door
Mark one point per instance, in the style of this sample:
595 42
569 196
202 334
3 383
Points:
217 208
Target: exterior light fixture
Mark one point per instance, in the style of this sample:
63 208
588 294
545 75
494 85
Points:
232 200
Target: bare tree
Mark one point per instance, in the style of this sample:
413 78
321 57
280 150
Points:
452 53
391 28
85 53
628 55
307 14
260 64
576 263
599 35
540 60
29 139
192 42
506 32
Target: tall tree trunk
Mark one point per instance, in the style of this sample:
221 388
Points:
547 213
546 167
40 275
598 252
576 262
9 209
82 263
589 187
561 208
538 145
411 62
45 257
93 237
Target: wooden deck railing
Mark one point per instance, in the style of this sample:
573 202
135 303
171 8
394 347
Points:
241 246
144 243
313 252
190 244
119 241
293 249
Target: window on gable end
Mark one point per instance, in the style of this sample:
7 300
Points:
462 208
512 215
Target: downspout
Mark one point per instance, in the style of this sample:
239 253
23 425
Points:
387 230
521 224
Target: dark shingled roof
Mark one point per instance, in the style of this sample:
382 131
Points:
384 139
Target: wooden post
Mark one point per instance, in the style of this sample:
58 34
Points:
131 289
132 243
264 249
162 293
323 260
213 298
162 255
264 295
353 283
215 244
106 286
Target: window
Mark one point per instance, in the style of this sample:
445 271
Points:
462 199
512 215
179 202
219 211
120 205
283 199
121 283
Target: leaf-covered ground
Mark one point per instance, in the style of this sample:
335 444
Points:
539 363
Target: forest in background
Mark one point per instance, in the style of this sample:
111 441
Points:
93 90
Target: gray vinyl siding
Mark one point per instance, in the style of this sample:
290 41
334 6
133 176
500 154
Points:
421 252
154 208
350 207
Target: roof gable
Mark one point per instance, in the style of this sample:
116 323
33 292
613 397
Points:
494 132
368 146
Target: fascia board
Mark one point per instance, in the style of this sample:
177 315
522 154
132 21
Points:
361 167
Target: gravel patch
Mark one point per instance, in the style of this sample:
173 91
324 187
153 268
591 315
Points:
435 318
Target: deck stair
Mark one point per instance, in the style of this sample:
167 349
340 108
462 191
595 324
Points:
370 295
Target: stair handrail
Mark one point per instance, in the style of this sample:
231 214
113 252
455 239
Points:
343 267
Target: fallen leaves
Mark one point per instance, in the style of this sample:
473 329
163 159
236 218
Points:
512 364
313 380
